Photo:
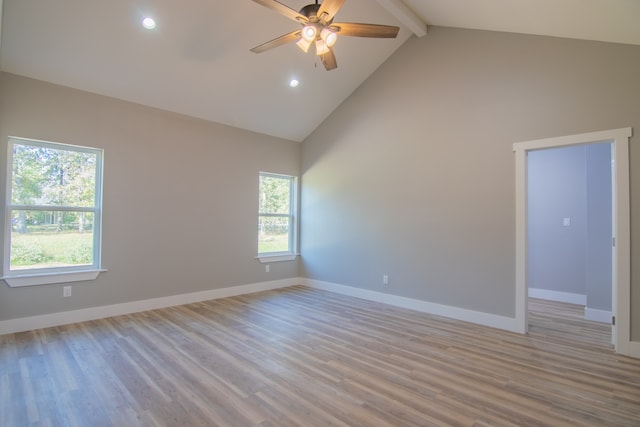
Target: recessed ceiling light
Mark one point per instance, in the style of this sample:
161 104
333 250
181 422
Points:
149 23
294 83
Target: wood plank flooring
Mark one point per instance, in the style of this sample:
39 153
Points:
304 357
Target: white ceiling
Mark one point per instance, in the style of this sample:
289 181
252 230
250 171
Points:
197 61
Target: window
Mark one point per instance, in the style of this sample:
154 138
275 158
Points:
276 216
53 212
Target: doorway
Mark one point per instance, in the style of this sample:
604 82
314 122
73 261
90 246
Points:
569 228
619 138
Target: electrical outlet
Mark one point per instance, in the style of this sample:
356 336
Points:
385 279
267 268
66 291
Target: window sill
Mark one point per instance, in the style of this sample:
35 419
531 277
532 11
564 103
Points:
266 258
50 278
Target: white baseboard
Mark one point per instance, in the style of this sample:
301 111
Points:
601 316
485 319
558 296
63 318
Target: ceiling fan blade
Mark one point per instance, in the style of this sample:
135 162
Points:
329 60
278 41
328 10
283 10
366 30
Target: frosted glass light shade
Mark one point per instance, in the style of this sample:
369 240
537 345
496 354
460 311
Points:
329 36
321 47
304 44
309 32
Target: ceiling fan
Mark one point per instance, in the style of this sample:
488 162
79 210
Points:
319 29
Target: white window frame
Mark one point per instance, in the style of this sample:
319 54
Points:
41 276
291 254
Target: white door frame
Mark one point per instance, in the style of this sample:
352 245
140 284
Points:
621 267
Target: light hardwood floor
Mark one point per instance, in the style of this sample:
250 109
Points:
305 357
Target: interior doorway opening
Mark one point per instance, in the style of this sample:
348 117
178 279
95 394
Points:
569 229
619 139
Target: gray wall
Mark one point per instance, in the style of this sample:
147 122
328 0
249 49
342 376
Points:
414 174
571 182
180 196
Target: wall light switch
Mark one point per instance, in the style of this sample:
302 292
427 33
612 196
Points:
66 291
567 222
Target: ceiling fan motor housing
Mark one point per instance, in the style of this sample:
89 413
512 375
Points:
311 12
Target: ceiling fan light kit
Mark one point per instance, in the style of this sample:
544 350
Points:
304 44
330 37
318 26
321 47
309 32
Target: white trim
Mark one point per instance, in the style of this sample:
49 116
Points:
406 16
522 312
51 278
93 313
477 317
621 274
602 316
265 259
558 296
582 138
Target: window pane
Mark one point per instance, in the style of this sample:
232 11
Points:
273 234
47 176
274 194
45 239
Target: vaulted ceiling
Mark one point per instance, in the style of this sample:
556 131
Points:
197 60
